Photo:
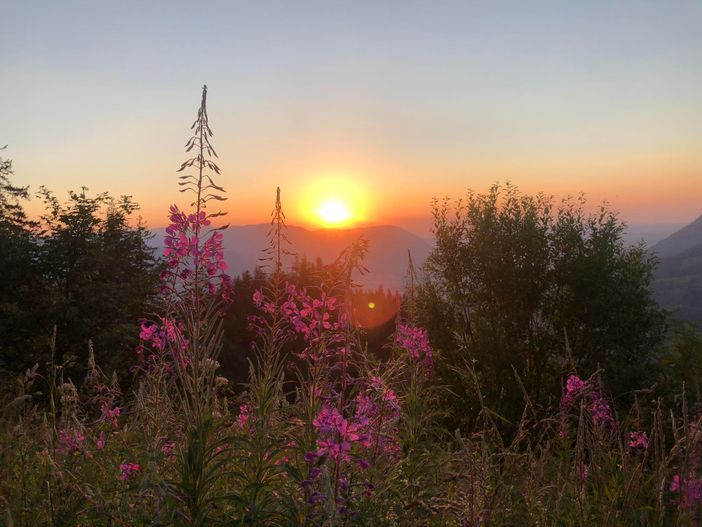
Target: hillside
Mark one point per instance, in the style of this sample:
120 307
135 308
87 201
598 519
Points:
680 241
386 259
649 233
678 278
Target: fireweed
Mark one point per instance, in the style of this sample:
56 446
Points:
184 339
638 440
585 393
180 345
351 416
70 441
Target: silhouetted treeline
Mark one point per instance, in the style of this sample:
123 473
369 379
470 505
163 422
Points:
82 269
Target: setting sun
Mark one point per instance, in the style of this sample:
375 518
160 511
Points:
333 211
335 200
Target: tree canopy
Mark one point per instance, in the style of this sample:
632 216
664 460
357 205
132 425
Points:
519 291
85 269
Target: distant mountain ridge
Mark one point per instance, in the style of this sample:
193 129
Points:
649 233
386 259
678 277
677 284
680 241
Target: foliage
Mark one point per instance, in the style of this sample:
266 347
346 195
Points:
100 272
520 291
680 363
83 269
23 289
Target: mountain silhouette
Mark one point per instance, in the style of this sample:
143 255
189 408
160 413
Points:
386 260
648 233
680 241
677 284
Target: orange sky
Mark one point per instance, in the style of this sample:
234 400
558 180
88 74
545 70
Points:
394 106
644 189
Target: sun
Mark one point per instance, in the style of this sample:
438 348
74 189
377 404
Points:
335 200
333 211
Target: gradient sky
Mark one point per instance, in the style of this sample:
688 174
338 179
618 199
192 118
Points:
400 100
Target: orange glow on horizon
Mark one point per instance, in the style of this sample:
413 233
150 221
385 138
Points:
382 194
334 202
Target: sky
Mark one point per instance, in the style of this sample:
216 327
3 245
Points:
382 104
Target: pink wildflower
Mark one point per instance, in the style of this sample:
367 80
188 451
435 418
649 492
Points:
415 341
575 384
690 490
188 246
336 434
638 440
601 411
127 470
111 414
243 418
307 317
574 387
378 412
70 441
168 449
258 298
100 443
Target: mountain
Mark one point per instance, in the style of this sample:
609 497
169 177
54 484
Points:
677 284
386 260
649 233
680 241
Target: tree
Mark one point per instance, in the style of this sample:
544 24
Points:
680 365
517 292
12 215
23 289
101 272
84 270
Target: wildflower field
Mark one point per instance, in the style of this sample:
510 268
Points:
327 431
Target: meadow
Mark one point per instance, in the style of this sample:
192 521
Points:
330 431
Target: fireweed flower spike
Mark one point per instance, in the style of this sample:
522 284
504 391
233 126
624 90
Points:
638 440
601 411
599 408
111 415
415 341
336 434
377 410
70 441
195 288
127 470
689 490
311 318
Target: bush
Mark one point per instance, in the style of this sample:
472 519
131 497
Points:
521 292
